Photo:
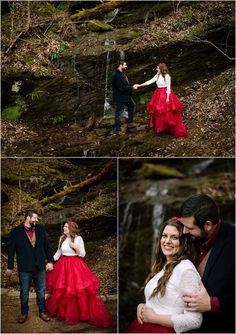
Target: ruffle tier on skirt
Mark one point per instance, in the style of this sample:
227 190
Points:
166 117
73 295
136 327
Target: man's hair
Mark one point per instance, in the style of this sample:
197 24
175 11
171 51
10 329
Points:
121 62
30 213
202 208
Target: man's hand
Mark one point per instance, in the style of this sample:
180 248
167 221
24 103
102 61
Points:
198 302
49 267
8 272
139 313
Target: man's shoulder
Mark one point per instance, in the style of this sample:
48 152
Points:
17 228
227 231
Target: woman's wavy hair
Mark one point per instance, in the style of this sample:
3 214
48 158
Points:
163 69
186 251
74 231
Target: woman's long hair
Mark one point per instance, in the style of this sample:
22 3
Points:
163 69
74 231
186 251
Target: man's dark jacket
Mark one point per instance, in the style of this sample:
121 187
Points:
219 281
122 90
28 257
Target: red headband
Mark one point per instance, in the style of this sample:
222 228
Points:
161 65
178 219
72 224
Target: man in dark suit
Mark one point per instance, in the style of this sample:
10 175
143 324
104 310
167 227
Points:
122 96
30 243
215 243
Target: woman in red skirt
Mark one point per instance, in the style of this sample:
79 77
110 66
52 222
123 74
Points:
72 287
164 106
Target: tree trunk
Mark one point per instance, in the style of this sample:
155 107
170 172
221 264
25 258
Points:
108 168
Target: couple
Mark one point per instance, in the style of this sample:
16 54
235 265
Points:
164 106
182 296
72 287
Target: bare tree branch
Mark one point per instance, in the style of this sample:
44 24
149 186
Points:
197 39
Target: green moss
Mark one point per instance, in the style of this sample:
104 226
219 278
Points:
157 171
95 25
13 113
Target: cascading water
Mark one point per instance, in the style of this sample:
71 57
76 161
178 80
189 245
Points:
125 226
157 220
109 17
73 63
200 166
107 109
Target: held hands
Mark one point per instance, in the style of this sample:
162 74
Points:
136 86
49 267
198 302
8 272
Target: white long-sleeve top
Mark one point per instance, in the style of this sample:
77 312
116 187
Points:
184 278
160 82
65 248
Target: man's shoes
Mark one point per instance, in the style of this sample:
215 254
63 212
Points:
119 133
44 316
22 318
132 125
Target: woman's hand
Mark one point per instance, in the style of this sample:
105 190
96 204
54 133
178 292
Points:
139 313
136 86
148 315
74 246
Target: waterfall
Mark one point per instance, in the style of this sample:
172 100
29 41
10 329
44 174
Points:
157 220
146 17
107 105
200 166
107 108
125 226
73 63
109 17
122 55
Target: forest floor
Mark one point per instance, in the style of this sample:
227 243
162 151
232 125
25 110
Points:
11 310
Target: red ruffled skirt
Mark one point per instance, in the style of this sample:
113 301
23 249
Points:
166 117
136 327
72 293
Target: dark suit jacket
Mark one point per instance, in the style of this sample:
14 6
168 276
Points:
219 280
29 257
122 90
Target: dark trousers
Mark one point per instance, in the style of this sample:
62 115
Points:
120 106
39 278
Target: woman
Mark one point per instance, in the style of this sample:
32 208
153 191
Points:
164 106
72 287
172 275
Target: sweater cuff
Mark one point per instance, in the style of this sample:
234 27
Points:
215 305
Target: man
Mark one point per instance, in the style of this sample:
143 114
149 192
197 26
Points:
122 96
215 242
32 248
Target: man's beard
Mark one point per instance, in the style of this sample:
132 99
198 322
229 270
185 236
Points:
202 238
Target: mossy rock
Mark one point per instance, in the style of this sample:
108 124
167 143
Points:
157 171
95 25
12 113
